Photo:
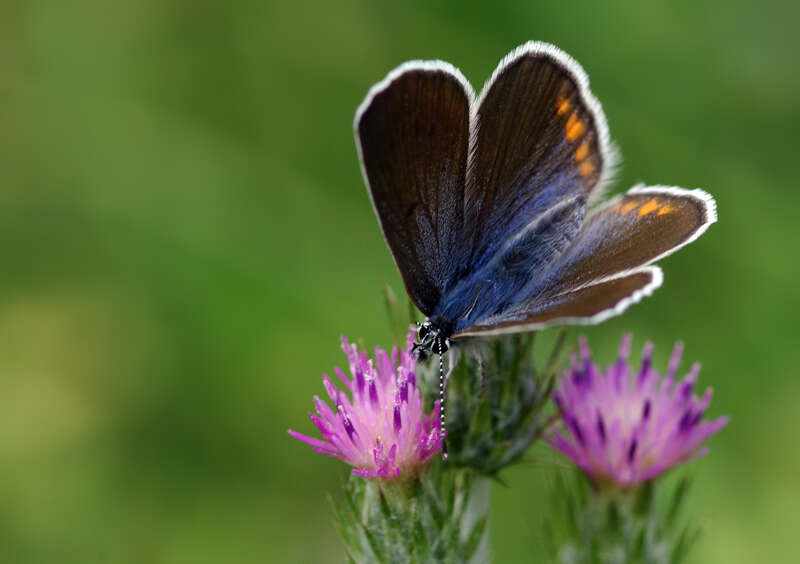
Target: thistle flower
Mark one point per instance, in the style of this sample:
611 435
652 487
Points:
383 431
628 429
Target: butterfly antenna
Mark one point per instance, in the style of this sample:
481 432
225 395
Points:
442 428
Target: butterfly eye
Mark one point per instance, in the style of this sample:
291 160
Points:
423 330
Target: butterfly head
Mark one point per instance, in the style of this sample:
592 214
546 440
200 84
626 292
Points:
431 338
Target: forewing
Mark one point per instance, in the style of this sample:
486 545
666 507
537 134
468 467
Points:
539 137
412 134
588 305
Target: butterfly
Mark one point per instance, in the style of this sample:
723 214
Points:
491 206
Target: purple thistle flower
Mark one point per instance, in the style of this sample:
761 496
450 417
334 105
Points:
628 428
380 427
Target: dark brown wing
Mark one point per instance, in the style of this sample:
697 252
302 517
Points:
539 137
412 134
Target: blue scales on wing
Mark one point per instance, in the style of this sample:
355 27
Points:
509 277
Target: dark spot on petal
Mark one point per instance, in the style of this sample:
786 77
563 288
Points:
359 380
373 393
685 421
601 428
577 429
632 451
397 421
348 426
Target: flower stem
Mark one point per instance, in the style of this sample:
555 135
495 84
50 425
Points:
610 524
441 516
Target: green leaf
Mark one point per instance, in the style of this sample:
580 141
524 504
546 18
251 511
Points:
555 352
680 549
421 540
474 538
613 519
644 499
374 544
342 524
638 551
677 499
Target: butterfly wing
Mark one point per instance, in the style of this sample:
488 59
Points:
587 305
412 136
604 269
539 151
463 188
539 137
635 229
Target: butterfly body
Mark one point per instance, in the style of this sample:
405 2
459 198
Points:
489 204
432 339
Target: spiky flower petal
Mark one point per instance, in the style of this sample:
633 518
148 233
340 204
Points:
380 428
627 428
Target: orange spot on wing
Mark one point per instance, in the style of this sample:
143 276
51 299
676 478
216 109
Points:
649 207
629 206
665 209
563 106
582 151
586 168
575 128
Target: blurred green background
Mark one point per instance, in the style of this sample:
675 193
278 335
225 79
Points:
185 233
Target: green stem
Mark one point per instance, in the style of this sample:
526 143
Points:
477 510
442 516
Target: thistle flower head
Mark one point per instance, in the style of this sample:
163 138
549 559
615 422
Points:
379 427
628 427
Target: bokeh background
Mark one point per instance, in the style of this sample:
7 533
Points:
184 234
